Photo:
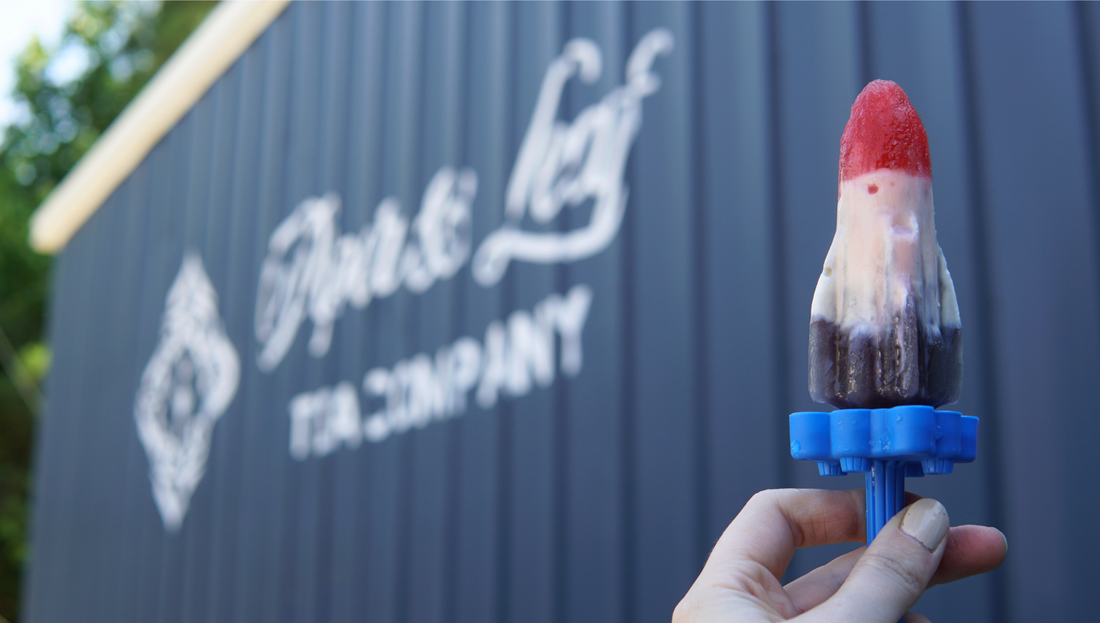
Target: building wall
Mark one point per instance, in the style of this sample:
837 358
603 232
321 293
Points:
386 475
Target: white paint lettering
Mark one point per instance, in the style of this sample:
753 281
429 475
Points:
323 419
311 271
563 164
570 314
417 391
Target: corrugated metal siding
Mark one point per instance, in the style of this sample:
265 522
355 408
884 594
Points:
595 499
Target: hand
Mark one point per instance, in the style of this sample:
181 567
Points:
876 584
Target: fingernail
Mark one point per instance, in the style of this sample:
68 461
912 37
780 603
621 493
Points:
926 521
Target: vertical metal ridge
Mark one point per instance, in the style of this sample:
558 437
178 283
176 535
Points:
1086 50
374 328
135 471
560 484
780 339
224 515
561 454
505 409
629 374
248 134
406 465
453 515
335 158
700 355
407 481
453 501
990 387
292 186
313 485
175 548
863 30
253 551
504 496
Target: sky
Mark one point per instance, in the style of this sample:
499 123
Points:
19 19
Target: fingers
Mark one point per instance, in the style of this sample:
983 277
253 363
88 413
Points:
913 617
970 550
893 572
774 523
877 584
822 583
740 576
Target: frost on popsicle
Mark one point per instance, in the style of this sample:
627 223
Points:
884 323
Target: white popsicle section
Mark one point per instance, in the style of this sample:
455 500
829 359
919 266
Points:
884 251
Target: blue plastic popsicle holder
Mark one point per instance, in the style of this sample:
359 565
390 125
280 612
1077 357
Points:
886 445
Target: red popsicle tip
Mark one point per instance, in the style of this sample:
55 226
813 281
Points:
884 132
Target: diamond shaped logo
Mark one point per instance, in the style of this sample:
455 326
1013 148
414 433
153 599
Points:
186 386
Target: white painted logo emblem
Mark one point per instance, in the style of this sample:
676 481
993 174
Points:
187 385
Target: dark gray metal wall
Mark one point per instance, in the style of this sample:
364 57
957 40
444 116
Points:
597 499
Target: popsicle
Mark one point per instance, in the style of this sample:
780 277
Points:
884 322
885 334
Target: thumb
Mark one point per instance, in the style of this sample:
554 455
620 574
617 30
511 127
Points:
895 569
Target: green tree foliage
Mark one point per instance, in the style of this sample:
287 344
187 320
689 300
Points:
116 48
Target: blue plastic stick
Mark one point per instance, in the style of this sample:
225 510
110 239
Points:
885 485
887 445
